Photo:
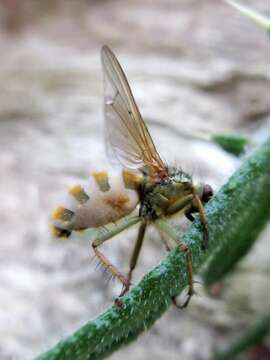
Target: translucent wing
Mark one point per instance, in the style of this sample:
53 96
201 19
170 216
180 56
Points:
127 135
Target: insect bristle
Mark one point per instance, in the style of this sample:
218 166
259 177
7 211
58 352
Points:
104 270
189 170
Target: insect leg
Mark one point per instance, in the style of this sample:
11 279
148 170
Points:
164 240
173 234
188 213
180 204
203 218
107 233
136 253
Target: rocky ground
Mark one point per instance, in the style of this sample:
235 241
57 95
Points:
193 65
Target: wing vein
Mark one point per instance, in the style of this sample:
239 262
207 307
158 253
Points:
128 137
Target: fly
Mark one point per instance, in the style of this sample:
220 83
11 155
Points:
108 201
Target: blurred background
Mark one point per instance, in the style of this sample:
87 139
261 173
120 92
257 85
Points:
193 65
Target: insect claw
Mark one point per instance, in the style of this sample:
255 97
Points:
119 303
182 306
186 302
125 288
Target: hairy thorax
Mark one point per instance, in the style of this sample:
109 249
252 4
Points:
160 199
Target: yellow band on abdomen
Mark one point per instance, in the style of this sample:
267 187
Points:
102 180
62 214
79 194
131 180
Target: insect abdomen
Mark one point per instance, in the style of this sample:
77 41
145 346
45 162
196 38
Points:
105 199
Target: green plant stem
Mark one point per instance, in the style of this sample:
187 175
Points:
242 212
232 143
251 337
238 210
260 19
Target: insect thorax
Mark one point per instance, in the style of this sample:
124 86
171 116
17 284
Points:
157 199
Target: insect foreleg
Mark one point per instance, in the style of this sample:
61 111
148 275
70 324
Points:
196 206
188 213
180 204
173 234
199 206
107 233
136 253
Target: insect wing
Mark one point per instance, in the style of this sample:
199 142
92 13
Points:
127 136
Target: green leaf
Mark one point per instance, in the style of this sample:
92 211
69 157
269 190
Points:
233 144
236 215
251 337
261 19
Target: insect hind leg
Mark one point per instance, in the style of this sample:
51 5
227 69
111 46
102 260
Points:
110 267
197 207
107 233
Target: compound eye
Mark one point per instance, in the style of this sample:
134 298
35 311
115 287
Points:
207 193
